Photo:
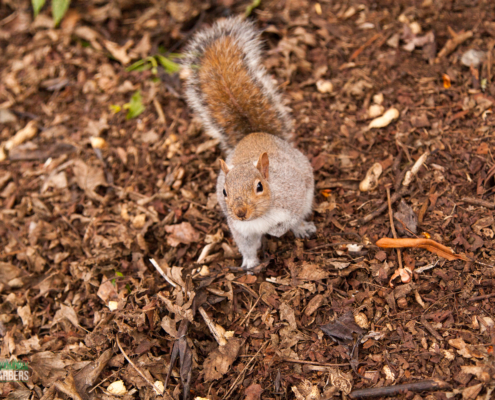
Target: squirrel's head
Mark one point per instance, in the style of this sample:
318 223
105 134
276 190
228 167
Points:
246 191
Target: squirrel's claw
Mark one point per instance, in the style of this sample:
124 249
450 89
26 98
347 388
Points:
249 263
304 230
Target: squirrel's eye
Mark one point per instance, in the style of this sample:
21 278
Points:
224 192
259 188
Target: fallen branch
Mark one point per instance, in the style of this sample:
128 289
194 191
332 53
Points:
421 386
479 202
452 44
428 244
482 297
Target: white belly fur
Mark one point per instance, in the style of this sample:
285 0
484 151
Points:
263 224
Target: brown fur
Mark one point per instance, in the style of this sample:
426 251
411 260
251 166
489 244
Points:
236 103
243 202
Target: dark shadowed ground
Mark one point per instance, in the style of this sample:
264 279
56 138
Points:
88 197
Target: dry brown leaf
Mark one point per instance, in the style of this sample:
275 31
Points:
66 312
181 233
306 391
119 52
311 272
428 244
8 272
25 314
169 326
88 178
471 392
107 291
466 350
253 392
314 304
288 314
68 387
484 372
219 361
48 366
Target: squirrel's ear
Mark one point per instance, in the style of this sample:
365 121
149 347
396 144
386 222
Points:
263 164
224 167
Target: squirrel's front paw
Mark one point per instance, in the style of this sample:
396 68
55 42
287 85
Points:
304 230
249 263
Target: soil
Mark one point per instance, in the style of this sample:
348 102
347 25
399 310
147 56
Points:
89 196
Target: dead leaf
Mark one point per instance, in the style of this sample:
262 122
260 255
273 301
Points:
48 366
66 312
466 350
219 361
287 314
314 304
107 291
8 272
25 314
89 178
341 380
253 392
406 218
428 244
181 233
120 53
471 392
68 387
169 326
484 372
306 391
342 328
310 272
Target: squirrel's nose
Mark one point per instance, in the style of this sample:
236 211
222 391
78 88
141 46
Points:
241 213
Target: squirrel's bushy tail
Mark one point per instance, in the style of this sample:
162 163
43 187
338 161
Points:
228 87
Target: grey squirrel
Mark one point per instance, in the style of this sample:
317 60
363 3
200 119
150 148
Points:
265 185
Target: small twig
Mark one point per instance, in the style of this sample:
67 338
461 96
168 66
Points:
430 329
213 329
452 44
233 386
314 363
363 47
158 391
396 196
162 273
104 380
392 226
249 313
427 385
479 202
482 297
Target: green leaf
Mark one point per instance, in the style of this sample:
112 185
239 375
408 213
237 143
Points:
135 106
169 65
115 108
37 6
138 65
252 6
119 274
59 8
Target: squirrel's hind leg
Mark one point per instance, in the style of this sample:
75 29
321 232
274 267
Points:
304 230
248 246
